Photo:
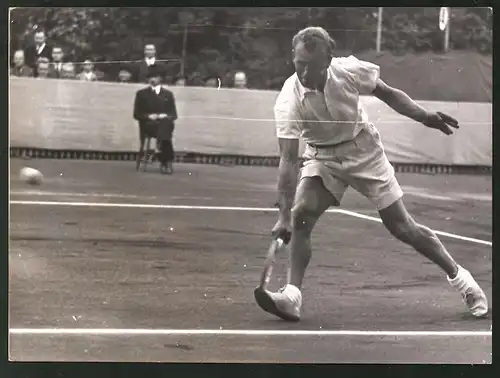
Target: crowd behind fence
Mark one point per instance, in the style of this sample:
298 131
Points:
47 60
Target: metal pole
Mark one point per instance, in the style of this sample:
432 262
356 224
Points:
379 29
184 47
447 33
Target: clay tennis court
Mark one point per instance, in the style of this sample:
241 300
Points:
110 264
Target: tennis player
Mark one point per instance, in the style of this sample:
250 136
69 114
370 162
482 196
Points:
320 104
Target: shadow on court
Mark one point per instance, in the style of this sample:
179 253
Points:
107 266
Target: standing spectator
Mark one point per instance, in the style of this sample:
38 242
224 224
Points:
57 62
40 49
155 109
20 68
149 60
43 68
240 80
88 73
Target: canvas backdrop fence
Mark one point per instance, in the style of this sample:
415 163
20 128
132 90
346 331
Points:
74 115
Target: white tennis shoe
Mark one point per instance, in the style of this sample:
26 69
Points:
472 294
285 304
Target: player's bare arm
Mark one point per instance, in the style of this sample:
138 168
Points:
405 105
287 182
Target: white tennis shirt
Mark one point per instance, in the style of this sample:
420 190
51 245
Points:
328 118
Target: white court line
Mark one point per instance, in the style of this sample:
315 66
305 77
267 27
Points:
40 193
224 208
69 194
236 332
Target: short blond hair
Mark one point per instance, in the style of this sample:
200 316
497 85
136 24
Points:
312 36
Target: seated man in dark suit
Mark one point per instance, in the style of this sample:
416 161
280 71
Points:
155 109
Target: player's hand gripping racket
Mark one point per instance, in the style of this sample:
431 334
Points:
275 246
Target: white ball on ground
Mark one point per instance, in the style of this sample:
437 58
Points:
31 176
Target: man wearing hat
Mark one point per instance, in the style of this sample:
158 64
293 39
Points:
155 110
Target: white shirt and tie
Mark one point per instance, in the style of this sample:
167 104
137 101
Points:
328 118
150 61
156 89
40 48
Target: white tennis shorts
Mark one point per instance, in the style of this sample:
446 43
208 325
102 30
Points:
360 163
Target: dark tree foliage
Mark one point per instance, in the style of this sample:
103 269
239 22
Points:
255 40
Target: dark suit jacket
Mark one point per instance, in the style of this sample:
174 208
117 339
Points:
148 102
54 70
23 71
31 55
142 70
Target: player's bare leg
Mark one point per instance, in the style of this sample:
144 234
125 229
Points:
311 201
402 226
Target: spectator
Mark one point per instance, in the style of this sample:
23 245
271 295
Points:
88 73
20 68
149 60
197 80
180 81
40 49
124 76
67 71
212 82
240 80
155 109
57 62
43 68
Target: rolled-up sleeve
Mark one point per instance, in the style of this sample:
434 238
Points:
365 73
285 114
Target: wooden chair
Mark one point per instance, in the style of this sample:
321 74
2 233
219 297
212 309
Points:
146 155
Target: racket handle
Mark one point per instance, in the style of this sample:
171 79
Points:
268 265
285 236
279 242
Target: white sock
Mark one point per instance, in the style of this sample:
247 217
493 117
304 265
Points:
293 292
460 278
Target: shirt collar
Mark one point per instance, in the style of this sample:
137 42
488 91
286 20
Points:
41 47
150 60
156 88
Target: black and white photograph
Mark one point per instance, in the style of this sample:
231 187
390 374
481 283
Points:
250 185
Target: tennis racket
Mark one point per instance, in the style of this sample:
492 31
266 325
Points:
275 246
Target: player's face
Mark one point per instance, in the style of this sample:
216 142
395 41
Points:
311 66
